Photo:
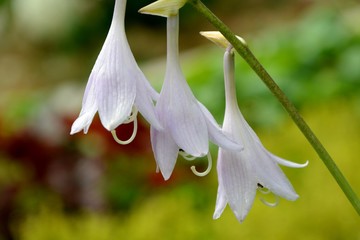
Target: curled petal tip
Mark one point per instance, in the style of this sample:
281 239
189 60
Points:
289 163
217 38
163 8
305 164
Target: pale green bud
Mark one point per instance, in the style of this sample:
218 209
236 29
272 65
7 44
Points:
217 38
163 8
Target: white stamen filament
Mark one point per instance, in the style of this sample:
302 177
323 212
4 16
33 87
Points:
206 172
134 120
186 156
132 116
274 204
264 190
267 191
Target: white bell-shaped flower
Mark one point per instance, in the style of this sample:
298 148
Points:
117 88
187 124
240 174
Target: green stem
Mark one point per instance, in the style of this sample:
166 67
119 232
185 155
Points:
245 52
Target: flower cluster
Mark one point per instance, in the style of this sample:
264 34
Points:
179 123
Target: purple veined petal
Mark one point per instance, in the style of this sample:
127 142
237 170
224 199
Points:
264 164
270 175
165 151
216 135
189 130
150 90
115 87
182 115
144 100
267 171
115 84
115 96
83 122
236 174
88 109
221 202
188 126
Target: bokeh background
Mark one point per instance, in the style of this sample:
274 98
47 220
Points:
61 187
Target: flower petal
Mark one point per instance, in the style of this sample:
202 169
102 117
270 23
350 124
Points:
83 122
165 151
287 163
177 107
115 97
181 115
216 135
220 202
187 125
115 87
270 174
144 100
236 175
88 109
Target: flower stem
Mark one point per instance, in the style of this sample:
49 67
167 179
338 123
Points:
245 52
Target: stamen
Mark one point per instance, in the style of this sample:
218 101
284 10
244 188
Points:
132 116
277 199
206 172
186 156
113 132
263 189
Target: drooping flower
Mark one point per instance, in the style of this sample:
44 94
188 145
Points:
117 88
240 174
187 124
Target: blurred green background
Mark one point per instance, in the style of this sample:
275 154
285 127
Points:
59 187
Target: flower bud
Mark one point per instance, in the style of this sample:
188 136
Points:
217 38
163 8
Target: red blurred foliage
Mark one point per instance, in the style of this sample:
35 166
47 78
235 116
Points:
63 168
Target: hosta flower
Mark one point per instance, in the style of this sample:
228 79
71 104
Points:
187 124
240 174
117 88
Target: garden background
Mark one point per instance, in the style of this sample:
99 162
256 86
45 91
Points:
61 187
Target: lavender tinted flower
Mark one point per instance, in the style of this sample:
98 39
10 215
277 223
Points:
241 173
187 124
117 88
